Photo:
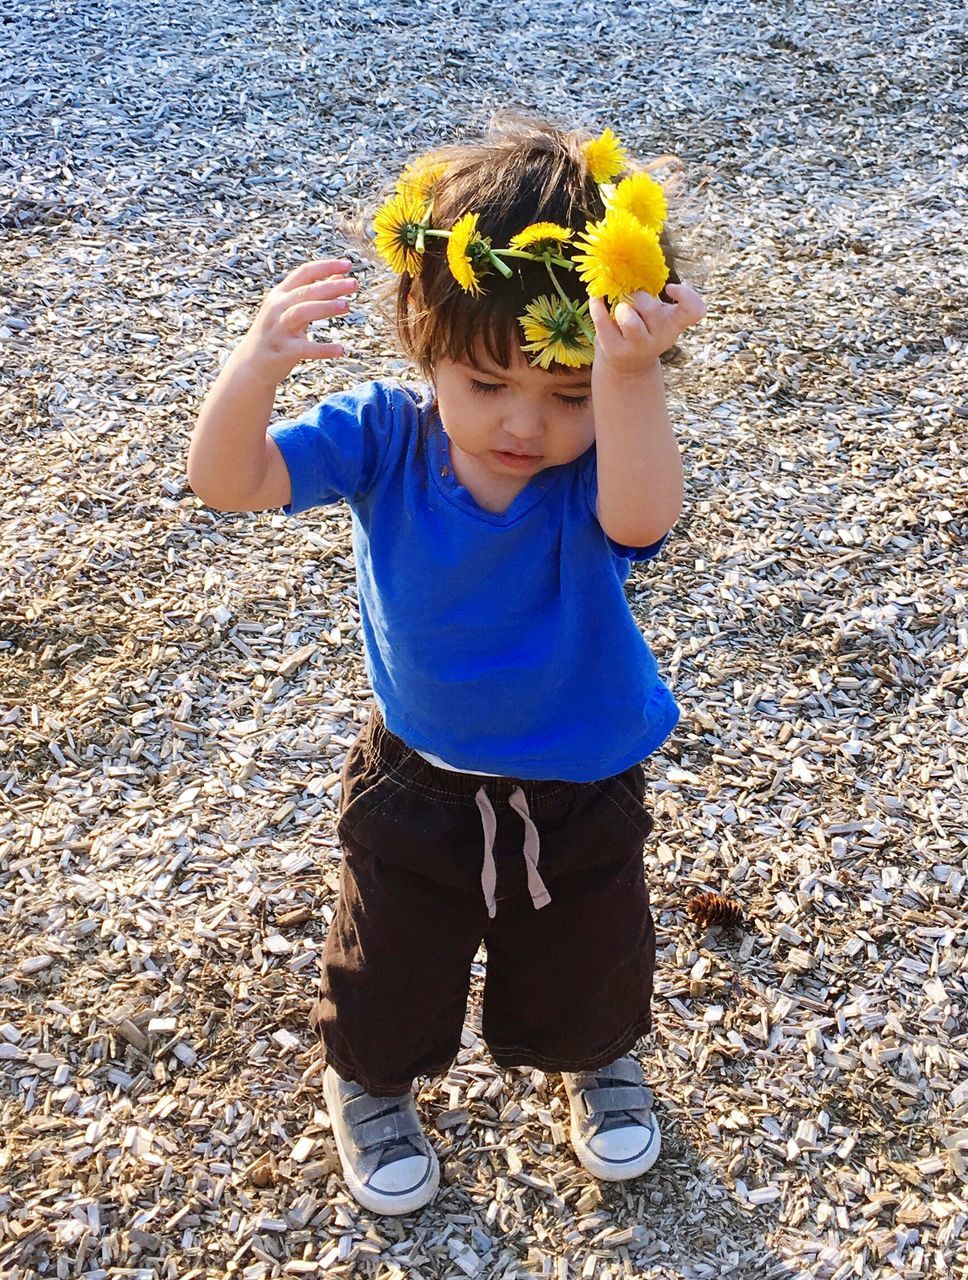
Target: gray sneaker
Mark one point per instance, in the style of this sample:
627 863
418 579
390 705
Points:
388 1164
613 1130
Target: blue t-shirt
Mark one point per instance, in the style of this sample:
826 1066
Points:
500 642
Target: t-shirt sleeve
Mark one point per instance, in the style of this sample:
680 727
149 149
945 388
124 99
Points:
590 486
338 448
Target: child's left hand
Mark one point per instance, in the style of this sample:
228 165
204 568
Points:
630 342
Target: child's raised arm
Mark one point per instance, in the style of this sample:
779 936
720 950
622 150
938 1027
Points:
636 450
232 464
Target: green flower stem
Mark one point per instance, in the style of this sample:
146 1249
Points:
589 333
570 304
561 293
492 257
536 257
506 253
503 267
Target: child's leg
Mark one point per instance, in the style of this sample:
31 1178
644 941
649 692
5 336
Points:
396 974
396 966
568 986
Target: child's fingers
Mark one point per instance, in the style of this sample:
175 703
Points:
332 287
630 319
295 318
601 317
310 272
307 350
622 334
597 310
688 301
608 335
647 305
619 330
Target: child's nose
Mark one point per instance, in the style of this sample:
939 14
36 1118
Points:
524 423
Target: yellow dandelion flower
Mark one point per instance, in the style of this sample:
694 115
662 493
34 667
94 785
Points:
605 157
395 232
421 176
643 197
467 253
619 255
541 236
552 329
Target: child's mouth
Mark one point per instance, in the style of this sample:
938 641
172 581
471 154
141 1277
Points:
518 460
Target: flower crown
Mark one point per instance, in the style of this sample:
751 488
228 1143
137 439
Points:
613 257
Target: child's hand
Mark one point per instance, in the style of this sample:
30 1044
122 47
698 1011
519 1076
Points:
630 342
277 340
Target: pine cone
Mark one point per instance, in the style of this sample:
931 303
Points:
712 908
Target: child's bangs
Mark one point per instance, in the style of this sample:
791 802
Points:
486 328
466 328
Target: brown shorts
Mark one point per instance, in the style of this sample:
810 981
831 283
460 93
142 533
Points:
568 983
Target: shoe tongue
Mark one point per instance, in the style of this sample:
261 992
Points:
615 1119
403 1147
397 1151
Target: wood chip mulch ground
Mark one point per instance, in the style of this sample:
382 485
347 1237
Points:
178 686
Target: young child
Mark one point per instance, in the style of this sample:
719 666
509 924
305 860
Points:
496 793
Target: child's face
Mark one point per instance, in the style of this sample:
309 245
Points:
515 421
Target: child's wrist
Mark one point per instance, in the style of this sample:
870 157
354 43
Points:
247 361
649 375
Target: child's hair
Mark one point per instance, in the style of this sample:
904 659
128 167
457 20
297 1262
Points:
523 171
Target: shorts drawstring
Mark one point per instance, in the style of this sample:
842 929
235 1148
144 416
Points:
489 873
540 896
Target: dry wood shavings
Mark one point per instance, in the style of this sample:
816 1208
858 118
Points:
180 686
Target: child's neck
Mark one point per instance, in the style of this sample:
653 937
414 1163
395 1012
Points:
489 492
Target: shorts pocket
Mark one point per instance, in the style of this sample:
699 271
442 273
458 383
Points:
365 798
626 791
439 837
363 786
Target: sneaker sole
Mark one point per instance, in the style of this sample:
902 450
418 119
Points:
610 1170
378 1201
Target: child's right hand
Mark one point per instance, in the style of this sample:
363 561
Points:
277 340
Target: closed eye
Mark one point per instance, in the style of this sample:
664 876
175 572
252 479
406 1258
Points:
489 388
485 388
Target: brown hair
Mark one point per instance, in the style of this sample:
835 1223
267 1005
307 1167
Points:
523 171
